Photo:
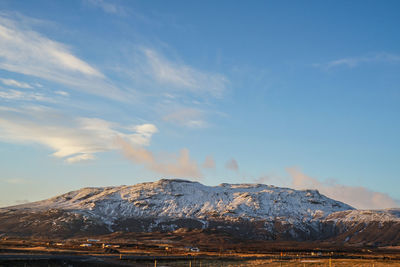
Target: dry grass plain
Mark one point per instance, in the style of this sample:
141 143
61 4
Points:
146 252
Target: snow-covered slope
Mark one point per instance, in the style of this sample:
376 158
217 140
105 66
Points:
365 216
363 227
186 199
250 211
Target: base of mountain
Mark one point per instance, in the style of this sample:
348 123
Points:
336 231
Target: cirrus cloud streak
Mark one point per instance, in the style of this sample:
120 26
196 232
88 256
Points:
25 51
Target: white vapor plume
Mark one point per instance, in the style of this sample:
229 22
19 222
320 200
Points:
180 165
356 196
209 163
232 165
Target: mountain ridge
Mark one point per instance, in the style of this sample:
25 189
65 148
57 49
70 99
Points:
252 211
182 198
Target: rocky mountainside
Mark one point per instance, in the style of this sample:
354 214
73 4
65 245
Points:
253 211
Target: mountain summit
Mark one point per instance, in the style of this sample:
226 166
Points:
246 210
186 199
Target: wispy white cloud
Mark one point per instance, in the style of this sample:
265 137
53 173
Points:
79 158
107 6
20 46
180 93
189 117
22 50
356 196
143 134
147 74
79 139
38 85
14 83
352 62
16 181
183 77
25 96
62 93
73 139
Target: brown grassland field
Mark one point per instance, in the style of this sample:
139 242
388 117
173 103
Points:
163 249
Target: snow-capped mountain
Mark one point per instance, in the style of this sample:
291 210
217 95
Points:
250 210
186 199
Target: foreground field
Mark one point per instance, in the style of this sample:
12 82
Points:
150 250
26 260
314 262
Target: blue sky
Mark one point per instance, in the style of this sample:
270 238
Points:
300 94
